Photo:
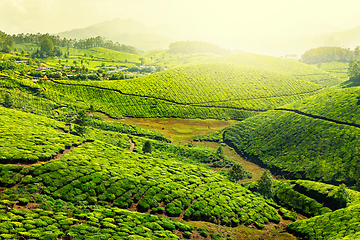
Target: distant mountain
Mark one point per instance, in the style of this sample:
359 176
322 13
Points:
127 32
349 38
307 40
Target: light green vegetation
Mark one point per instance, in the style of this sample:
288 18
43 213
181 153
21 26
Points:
168 59
100 223
219 91
29 138
212 83
284 66
337 104
104 174
339 69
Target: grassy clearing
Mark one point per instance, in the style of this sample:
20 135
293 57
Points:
176 129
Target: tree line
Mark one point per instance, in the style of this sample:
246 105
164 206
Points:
330 54
7 42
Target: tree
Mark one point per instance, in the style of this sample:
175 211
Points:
142 60
237 172
266 185
47 47
8 100
147 148
342 195
357 53
81 121
220 152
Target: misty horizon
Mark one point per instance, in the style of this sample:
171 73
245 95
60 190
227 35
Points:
258 27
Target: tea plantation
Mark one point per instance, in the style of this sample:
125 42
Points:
219 91
286 67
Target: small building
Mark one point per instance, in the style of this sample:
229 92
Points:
43 67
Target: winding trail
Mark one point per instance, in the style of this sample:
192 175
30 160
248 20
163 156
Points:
132 144
22 162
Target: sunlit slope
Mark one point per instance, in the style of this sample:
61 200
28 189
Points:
338 104
313 146
29 138
109 55
200 87
342 223
289 67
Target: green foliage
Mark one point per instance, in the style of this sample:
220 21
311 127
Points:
147 148
220 152
157 98
300 145
237 172
284 66
327 54
266 184
8 102
119 178
340 224
38 138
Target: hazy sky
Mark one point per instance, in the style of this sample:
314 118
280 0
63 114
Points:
223 21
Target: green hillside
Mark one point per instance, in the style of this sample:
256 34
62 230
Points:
339 69
92 182
197 91
288 67
315 138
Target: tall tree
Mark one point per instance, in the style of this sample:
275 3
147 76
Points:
47 47
266 185
237 172
147 148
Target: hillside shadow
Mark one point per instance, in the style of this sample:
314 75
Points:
353 82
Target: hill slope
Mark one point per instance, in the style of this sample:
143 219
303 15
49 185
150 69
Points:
105 178
305 139
284 66
197 89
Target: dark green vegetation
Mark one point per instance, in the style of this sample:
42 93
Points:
330 54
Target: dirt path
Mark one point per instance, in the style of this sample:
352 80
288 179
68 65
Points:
59 155
132 144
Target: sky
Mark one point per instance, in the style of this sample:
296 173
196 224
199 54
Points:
230 23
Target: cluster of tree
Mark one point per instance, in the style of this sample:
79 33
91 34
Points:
354 69
330 54
73 43
6 42
47 49
197 47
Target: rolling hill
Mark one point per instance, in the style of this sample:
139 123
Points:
284 66
195 91
92 182
315 138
